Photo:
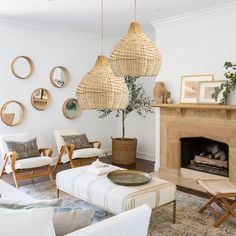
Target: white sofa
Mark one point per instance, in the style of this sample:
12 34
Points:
134 222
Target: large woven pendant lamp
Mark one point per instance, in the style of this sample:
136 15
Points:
135 54
100 88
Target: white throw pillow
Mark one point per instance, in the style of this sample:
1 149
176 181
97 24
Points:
33 222
69 221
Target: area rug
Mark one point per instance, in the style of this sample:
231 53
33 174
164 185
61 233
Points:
189 222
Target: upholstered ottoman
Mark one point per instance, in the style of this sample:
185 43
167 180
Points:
100 191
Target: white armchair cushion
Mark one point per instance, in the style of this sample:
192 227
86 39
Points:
83 153
37 222
21 137
30 163
132 222
58 136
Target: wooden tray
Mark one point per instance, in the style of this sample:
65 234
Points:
129 177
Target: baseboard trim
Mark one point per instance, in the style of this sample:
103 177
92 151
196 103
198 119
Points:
146 156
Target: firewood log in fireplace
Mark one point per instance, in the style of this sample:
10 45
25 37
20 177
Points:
211 162
220 155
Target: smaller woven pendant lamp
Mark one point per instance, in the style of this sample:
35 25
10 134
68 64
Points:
100 88
135 54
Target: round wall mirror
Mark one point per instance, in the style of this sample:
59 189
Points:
59 76
71 108
22 67
41 99
12 113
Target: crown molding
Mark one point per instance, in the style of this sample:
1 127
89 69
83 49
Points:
50 29
196 15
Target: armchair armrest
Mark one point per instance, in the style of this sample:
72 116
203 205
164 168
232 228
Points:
8 157
46 151
11 156
96 144
68 148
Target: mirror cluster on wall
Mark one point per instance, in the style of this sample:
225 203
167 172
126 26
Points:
41 99
13 112
59 76
22 67
71 108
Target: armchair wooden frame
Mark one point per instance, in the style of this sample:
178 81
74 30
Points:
22 174
68 150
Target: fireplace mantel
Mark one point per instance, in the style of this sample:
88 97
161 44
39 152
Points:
201 110
215 122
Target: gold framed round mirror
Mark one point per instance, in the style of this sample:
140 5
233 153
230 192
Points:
13 113
41 99
22 67
59 76
71 109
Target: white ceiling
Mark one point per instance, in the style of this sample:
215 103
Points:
84 15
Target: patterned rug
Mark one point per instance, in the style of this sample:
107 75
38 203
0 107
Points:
189 221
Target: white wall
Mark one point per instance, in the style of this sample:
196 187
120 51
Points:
77 52
47 49
197 43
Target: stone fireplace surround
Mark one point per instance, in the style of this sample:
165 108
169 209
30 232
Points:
216 122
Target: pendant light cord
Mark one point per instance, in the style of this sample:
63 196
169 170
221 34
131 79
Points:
102 26
135 10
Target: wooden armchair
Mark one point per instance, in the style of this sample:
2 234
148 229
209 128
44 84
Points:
80 157
28 167
223 193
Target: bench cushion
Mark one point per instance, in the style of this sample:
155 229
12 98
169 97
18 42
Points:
83 153
30 163
99 190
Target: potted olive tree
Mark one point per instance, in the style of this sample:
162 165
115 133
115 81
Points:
124 149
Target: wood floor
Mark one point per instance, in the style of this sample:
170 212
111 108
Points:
143 165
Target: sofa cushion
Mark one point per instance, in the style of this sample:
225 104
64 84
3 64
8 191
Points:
83 153
24 150
29 204
69 221
134 223
37 222
30 163
80 141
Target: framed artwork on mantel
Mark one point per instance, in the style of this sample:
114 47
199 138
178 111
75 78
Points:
207 88
190 87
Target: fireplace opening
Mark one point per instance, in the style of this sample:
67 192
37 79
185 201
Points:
205 155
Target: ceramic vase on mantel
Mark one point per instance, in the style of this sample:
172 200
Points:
159 92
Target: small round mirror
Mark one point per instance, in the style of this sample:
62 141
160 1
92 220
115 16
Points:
71 109
22 67
41 99
59 76
12 113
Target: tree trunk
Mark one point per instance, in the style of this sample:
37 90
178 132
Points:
123 124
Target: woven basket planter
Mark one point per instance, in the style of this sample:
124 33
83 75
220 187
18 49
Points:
124 151
101 89
135 55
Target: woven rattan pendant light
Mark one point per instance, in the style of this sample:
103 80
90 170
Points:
135 54
100 88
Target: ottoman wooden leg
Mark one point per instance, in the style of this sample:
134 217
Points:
58 193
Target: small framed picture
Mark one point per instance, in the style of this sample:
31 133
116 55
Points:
207 88
190 85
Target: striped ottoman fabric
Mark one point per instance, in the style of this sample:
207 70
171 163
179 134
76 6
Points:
100 191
